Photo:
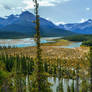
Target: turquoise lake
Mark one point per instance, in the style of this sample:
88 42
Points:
26 42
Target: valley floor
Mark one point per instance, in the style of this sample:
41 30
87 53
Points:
49 51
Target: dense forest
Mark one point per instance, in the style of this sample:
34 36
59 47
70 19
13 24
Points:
12 35
87 43
85 39
78 38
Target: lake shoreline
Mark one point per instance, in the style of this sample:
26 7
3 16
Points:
30 42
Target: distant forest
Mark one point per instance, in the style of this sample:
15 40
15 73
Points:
78 38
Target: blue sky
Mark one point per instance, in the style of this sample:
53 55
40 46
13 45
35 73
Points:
58 11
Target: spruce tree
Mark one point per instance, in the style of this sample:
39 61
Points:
40 81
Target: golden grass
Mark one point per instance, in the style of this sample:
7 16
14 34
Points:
68 58
48 51
59 42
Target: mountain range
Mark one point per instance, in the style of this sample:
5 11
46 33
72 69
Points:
22 26
80 28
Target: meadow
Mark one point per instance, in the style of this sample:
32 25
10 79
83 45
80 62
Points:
17 65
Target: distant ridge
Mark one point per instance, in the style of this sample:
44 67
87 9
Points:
81 28
23 25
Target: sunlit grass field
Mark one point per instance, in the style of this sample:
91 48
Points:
58 42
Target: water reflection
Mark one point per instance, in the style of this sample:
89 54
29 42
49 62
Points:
68 85
58 85
73 45
26 42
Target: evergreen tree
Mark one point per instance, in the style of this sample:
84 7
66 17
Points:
40 81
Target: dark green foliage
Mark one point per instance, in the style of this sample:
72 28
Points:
87 43
68 89
46 67
12 35
78 38
9 62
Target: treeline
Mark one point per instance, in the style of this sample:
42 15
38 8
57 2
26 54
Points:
6 47
87 43
78 38
12 35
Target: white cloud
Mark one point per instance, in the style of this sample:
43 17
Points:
7 7
57 23
88 9
1 6
83 20
47 18
44 3
29 4
22 5
66 0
